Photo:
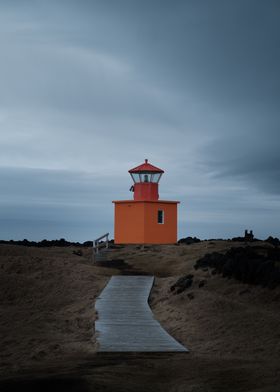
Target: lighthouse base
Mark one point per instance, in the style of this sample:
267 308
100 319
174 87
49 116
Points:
145 222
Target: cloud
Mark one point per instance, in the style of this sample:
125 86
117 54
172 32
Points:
89 89
250 156
52 200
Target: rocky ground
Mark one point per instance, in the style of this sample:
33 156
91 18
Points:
232 328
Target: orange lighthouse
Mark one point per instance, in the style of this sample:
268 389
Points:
146 219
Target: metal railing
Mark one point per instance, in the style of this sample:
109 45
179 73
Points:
97 244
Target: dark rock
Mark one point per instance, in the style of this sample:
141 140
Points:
182 284
201 283
88 243
188 240
273 241
49 243
191 295
258 266
249 236
238 239
77 252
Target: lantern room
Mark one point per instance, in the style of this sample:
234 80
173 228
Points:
146 219
146 179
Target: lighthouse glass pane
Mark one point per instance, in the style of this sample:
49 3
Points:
156 177
145 177
135 177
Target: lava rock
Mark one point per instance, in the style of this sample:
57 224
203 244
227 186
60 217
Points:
191 296
189 240
77 252
273 241
182 284
257 266
201 283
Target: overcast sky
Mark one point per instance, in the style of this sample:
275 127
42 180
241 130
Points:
89 89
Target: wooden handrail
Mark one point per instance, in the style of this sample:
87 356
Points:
96 243
103 236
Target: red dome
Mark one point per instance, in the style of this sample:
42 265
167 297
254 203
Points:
146 167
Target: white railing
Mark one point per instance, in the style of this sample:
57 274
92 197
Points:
97 244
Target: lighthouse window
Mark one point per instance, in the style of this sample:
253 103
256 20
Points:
145 177
160 216
135 177
156 177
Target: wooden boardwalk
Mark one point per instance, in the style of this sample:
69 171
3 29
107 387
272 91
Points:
125 321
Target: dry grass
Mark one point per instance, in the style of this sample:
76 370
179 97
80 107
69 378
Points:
47 324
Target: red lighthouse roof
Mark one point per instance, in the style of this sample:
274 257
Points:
146 167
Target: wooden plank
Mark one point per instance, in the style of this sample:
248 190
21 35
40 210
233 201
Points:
125 321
